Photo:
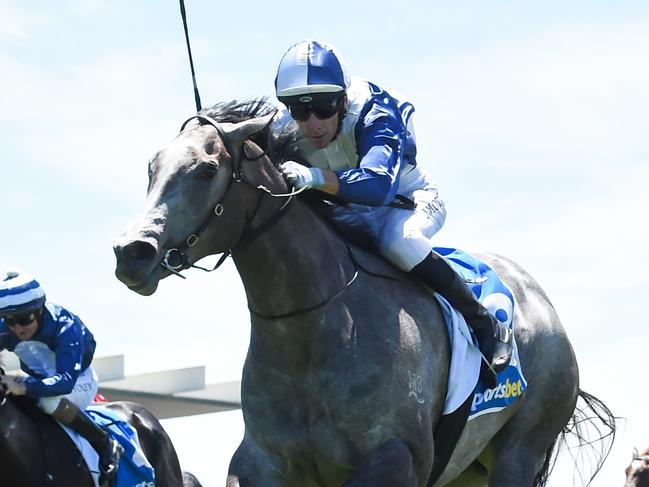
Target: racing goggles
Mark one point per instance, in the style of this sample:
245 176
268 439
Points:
321 107
20 320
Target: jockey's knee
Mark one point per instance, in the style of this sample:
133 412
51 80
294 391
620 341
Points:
404 249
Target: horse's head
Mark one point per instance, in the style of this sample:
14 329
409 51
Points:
637 473
195 203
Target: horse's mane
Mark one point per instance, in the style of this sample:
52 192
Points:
279 143
235 111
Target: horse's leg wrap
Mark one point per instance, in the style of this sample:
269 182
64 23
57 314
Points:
108 448
388 465
494 338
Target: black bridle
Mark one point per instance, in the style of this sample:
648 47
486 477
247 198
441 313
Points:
175 259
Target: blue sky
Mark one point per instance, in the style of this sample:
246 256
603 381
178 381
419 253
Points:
532 117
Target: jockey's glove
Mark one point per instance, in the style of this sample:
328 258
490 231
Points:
300 176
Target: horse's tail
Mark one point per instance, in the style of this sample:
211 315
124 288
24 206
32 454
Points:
593 426
190 480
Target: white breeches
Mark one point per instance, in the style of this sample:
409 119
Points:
82 394
402 236
405 239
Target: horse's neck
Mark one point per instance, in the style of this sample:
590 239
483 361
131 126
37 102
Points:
299 262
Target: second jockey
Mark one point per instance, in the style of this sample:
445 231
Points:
55 350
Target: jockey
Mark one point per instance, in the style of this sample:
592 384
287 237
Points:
360 143
55 350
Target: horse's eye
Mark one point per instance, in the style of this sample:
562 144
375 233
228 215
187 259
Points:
207 171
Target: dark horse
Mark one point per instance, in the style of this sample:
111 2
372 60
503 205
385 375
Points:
36 452
326 387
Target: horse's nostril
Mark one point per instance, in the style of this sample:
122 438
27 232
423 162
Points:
139 250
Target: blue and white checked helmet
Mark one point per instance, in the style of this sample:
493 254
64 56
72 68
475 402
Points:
310 67
20 293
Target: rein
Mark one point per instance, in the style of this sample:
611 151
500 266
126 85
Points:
175 259
301 311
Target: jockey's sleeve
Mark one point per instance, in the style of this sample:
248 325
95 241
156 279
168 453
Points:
69 356
380 134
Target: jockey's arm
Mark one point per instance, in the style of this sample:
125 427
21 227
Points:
310 177
331 183
69 356
375 180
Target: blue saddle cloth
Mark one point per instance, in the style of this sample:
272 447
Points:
134 469
498 299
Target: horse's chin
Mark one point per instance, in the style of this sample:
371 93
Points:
145 286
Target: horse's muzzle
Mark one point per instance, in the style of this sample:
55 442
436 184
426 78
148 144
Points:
137 265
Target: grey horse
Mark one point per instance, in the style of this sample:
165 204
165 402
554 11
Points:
325 388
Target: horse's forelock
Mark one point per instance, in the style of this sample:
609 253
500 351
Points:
235 112
280 145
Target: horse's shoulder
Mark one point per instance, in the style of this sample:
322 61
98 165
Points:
29 408
44 423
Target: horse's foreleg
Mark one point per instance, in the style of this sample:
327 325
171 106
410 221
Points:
388 465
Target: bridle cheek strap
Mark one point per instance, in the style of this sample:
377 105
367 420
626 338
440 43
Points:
175 259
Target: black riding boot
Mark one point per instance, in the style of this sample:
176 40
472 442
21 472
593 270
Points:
494 338
107 447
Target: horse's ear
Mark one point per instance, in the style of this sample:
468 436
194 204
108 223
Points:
238 132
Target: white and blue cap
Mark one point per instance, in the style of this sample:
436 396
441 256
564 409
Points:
20 293
310 67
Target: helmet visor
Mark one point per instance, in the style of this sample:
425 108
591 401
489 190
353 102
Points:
23 319
322 107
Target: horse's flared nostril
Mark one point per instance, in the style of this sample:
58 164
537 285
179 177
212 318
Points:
139 251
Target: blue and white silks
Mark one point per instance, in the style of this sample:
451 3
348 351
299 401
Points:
375 145
53 358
